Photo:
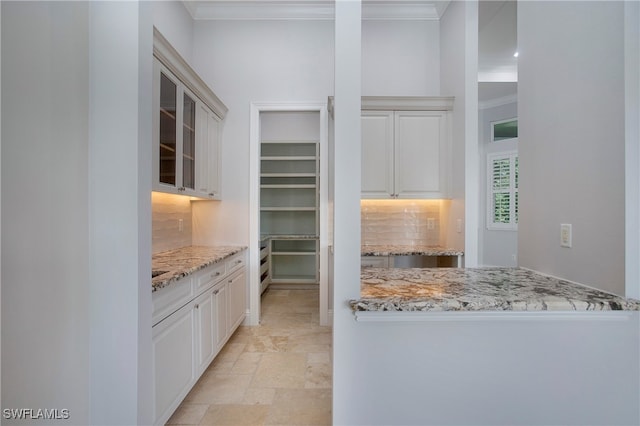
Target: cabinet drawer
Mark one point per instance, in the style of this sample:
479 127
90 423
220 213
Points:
236 262
264 252
209 276
171 298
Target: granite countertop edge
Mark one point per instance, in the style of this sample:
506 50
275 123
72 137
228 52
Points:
184 261
478 289
407 250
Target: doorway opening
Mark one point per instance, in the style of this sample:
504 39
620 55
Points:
288 202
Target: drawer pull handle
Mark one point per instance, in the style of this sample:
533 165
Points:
217 274
239 261
197 306
216 292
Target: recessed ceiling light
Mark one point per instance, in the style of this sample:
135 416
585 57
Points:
515 55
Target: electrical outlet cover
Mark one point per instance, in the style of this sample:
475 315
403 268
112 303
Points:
565 235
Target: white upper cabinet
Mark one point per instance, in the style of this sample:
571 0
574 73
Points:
208 153
187 126
406 153
377 154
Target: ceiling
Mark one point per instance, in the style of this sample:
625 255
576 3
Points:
497 35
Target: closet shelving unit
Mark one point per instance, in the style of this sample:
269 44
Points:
289 209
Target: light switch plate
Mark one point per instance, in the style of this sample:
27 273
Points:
565 235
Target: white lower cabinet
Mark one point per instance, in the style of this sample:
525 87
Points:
173 360
205 311
220 303
189 334
237 289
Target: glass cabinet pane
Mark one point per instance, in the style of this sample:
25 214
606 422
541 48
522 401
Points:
189 143
167 130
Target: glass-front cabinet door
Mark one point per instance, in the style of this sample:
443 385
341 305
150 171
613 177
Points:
186 136
168 142
188 142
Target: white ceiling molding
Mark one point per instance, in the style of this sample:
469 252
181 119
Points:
401 103
323 10
252 10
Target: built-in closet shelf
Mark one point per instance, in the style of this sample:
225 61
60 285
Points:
294 253
288 209
292 186
288 175
289 197
287 158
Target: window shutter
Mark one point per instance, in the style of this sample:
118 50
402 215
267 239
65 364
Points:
503 190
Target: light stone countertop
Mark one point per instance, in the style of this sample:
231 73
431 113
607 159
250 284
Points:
408 250
179 263
478 289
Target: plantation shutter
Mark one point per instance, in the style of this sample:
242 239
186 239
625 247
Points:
503 190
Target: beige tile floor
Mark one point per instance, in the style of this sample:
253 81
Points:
278 373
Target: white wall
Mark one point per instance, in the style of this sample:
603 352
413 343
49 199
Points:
571 123
479 369
45 310
400 58
120 211
173 20
457 62
498 248
632 148
346 200
254 61
76 329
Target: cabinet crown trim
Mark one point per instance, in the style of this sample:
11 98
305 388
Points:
170 58
402 103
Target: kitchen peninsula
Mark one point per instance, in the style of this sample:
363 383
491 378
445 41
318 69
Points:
508 345
478 289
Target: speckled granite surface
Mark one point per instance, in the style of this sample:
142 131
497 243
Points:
402 250
184 261
478 289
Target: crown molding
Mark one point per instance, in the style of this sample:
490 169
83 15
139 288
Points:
318 10
407 103
401 103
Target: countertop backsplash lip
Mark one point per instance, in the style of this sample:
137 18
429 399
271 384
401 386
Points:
181 262
479 289
408 250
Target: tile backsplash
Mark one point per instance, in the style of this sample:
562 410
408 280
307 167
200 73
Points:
402 222
166 212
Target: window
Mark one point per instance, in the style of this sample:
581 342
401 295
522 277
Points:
502 171
504 129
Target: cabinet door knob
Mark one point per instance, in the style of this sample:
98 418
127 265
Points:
216 292
212 194
217 274
238 261
197 306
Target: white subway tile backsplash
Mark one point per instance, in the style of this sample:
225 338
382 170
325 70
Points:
166 212
400 222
